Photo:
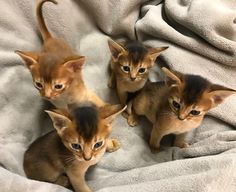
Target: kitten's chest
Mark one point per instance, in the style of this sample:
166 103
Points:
131 86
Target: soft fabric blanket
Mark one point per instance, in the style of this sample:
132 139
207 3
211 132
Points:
201 37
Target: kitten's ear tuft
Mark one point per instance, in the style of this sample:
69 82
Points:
155 52
172 80
60 122
219 93
109 112
30 58
74 65
116 49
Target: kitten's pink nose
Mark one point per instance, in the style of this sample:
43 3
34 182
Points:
133 78
181 118
87 158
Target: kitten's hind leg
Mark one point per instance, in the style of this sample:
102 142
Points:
180 141
113 145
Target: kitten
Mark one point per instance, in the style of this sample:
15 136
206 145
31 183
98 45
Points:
56 69
176 106
130 66
81 137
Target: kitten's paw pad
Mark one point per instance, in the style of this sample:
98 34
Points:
182 145
132 121
113 145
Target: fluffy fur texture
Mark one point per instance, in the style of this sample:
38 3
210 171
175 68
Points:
130 64
176 106
63 156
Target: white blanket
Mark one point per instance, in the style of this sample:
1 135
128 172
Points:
201 35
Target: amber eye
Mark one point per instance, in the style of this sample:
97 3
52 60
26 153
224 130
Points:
142 70
126 69
98 145
38 85
195 112
76 146
176 105
58 86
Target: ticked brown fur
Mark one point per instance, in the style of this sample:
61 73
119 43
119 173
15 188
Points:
130 65
56 69
176 106
79 141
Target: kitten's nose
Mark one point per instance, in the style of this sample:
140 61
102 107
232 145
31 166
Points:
133 78
181 118
87 158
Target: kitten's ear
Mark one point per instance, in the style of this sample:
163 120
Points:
172 79
153 53
109 112
60 122
116 49
219 93
74 65
30 58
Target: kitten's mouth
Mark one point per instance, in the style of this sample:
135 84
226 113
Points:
50 98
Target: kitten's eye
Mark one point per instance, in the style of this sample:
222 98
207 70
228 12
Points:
76 146
38 85
195 112
97 145
176 105
142 70
58 86
126 69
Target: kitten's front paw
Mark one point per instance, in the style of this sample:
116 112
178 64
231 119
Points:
182 145
132 121
113 145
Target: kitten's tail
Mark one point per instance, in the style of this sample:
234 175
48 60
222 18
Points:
42 26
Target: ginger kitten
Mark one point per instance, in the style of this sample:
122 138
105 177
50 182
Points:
130 64
81 137
177 106
56 69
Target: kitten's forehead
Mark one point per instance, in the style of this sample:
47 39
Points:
193 88
50 68
86 121
136 52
